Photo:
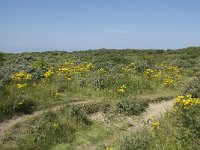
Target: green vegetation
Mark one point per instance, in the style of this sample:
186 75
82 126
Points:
98 90
51 128
178 129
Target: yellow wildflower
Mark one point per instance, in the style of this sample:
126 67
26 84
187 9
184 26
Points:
48 74
21 86
186 102
155 125
21 76
122 89
149 72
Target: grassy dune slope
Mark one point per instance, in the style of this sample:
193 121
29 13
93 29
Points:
113 86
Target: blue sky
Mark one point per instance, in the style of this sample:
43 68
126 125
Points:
38 25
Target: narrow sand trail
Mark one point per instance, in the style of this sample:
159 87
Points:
154 110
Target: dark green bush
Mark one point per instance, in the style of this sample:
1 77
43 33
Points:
162 98
96 107
134 107
141 66
6 108
1 58
23 105
10 106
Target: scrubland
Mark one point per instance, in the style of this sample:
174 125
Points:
94 96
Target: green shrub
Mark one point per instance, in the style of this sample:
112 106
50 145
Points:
138 141
17 104
96 107
23 105
193 88
6 108
43 132
141 66
134 107
1 58
80 112
162 98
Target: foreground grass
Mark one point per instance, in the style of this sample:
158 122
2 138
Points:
171 134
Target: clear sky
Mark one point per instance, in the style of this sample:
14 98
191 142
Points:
38 25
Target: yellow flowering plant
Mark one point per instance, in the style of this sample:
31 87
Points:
21 86
130 68
155 125
149 73
187 102
186 110
122 89
49 73
21 76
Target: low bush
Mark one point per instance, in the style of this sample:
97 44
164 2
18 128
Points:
80 112
133 107
16 105
193 88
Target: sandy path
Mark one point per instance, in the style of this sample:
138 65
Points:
154 110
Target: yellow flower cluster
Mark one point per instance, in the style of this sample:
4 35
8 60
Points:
128 68
21 86
155 125
173 68
68 63
109 148
168 74
70 69
149 72
122 89
168 80
21 76
64 70
48 74
186 102
83 69
158 74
